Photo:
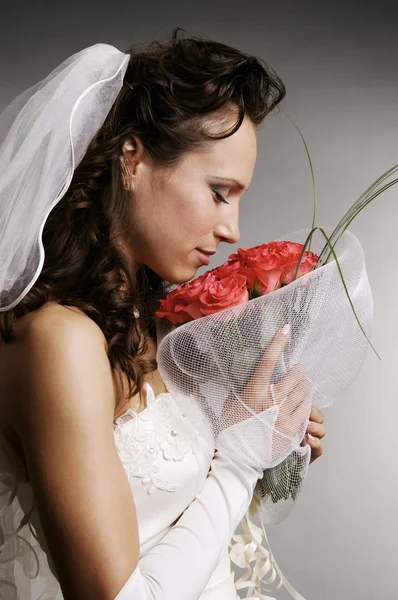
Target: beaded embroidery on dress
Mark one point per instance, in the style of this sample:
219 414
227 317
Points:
164 431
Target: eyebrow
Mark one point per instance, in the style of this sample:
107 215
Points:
234 182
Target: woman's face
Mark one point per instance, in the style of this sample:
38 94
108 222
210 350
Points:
193 206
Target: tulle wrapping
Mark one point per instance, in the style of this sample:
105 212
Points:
208 364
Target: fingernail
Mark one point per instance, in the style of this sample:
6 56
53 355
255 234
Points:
311 436
285 329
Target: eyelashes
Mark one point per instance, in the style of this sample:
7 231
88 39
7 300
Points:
219 197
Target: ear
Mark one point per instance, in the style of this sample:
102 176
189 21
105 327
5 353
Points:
132 156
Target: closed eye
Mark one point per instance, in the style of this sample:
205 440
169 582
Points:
219 197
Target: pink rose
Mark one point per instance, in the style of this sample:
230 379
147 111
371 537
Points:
226 269
186 295
273 265
225 293
204 296
307 264
266 267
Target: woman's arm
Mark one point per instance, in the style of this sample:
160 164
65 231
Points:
179 567
64 419
63 415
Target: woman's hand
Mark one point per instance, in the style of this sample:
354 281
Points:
292 393
315 432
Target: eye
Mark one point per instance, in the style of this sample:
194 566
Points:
219 197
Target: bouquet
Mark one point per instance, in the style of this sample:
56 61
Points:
248 274
225 319
218 327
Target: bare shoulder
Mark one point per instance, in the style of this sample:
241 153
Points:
54 322
59 354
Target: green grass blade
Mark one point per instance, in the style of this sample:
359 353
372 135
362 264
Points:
311 168
351 215
346 290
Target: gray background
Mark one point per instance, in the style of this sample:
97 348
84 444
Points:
339 63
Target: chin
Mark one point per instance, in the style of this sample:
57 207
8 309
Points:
179 280
178 276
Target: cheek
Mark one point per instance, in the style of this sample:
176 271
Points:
193 211
183 214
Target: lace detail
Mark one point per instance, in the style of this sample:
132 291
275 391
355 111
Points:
159 430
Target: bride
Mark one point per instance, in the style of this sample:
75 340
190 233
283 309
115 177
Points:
120 174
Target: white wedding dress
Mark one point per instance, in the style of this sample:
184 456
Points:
185 515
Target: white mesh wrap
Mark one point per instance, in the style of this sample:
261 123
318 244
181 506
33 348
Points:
208 364
44 134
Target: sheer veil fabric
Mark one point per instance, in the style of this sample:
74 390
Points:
44 134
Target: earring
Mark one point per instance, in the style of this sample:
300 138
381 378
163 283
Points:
126 176
128 182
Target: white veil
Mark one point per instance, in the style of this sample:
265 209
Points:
44 134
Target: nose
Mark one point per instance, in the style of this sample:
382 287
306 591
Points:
227 230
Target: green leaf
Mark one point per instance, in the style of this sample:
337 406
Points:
311 168
254 292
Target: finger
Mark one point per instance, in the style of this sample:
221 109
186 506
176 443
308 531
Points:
295 409
316 415
312 441
288 383
270 358
300 414
316 448
316 429
300 397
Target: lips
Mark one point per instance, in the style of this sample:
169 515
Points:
208 252
204 257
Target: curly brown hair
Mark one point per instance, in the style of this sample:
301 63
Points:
172 89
